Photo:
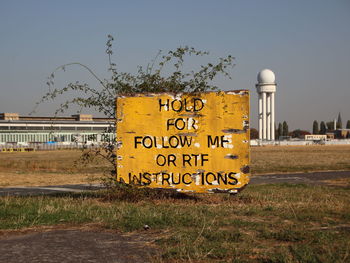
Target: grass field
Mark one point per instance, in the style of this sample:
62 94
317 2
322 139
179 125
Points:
49 168
300 158
63 167
266 223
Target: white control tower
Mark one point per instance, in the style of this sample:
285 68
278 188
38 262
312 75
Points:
266 89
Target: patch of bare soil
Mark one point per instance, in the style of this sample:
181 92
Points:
89 243
342 182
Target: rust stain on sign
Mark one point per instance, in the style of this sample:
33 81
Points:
193 143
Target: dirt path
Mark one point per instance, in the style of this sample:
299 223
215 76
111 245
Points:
75 245
335 178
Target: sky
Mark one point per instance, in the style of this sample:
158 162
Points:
306 44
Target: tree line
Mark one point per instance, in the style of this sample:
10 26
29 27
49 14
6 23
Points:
322 128
329 126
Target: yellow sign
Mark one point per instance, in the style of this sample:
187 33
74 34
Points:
192 143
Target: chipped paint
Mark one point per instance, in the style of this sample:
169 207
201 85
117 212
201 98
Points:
191 143
231 156
237 131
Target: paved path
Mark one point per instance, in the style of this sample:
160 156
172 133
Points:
317 178
52 189
74 245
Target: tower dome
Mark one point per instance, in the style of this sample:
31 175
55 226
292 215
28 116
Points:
266 76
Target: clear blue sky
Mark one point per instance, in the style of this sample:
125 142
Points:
306 43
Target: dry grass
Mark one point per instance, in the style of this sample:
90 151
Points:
9 179
300 158
49 162
343 182
63 167
48 168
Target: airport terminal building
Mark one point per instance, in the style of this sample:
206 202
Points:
79 129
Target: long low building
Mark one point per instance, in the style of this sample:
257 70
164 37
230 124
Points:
81 128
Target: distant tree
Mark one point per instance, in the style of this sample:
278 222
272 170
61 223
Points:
323 128
348 124
254 134
339 122
285 129
276 133
330 126
299 133
315 128
279 131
